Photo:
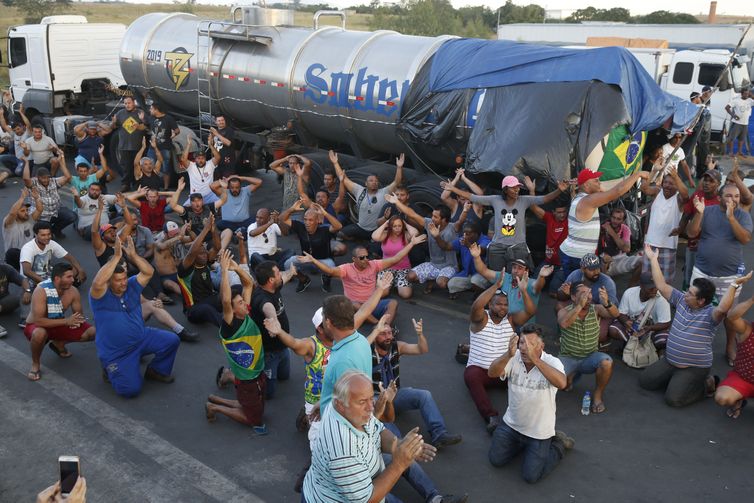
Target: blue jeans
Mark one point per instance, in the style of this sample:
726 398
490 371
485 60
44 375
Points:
587 365
277 366
13 163
569 264
280 257
540 456
415 475
421 399
234 226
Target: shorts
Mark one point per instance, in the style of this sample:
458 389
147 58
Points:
171 277
738 383
381 308
400 277
586 365
250 394
722 283
429 271
738 132
623 264
63 333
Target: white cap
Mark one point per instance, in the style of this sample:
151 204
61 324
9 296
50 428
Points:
317 319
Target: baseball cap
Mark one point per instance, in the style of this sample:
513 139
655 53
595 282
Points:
43 172
590 261
520 261
318 318
511 181
80 160
714 174
706 89
91 124
587 174
646 279
195 195
104 228
170 228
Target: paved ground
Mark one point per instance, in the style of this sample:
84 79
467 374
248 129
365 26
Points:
159 447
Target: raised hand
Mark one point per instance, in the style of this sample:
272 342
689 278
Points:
101 149
391 198
275 215
530 186
400 160
418 239
129 247
120 199
475 250
566 288
408 449
385 281
333 156
563 185
305 258
604 298
225 259
533 347
273 326
418 325
546 270
743 279
388 210
650 252
512 346
433 230
181 184
698 203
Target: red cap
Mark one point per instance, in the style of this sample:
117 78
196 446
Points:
586 174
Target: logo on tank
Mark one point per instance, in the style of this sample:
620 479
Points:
178 66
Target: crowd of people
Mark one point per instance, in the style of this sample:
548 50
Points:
227 267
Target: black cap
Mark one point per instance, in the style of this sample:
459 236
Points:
195 195
694 95
714 174
706 89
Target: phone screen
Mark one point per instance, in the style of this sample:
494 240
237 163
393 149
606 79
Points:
69 473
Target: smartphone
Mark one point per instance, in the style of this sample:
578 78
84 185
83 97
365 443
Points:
69 473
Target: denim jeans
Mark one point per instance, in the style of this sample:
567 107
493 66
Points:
540 456
13 163
415 475
65 218
279 257
277 366
421 400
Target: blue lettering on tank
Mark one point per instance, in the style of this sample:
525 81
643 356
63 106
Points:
363 79
316 87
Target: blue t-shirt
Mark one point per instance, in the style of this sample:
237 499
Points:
352 353
236 209
602 280
515 299
720 253
120 327
467 261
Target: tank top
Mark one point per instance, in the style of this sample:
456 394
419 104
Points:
390 248
315 371
744 364
489 343
244 351
663 218
582 337
582 236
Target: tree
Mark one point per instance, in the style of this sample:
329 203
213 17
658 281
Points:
510 13
34 10
420 17
666 17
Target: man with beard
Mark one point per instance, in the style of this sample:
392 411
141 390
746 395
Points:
18 225
88 206
201 171
198 210
36 256
723 231
89 135
47 322
236 213
85 175
146 169
490 332
710 185
292 168
151 208
49 190
116 303
267 303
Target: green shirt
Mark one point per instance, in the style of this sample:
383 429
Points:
582 337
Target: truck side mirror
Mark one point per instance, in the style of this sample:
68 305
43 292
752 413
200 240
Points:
725 81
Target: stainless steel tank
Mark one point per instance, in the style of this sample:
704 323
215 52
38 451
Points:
337 83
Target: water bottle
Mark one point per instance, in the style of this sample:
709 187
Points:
586 404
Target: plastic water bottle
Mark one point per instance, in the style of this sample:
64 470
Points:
586 404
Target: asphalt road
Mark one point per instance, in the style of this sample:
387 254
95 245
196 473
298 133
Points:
159 447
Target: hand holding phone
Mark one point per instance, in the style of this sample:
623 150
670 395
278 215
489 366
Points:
69 473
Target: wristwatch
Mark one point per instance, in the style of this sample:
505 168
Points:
608 305
736 285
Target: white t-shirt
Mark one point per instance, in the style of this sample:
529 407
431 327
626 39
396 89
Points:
675 160
742 108
201 178
664 216
633 307
40 150
17 143
531 397
40 259
265 243
89 210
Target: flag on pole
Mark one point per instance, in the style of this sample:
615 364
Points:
623 153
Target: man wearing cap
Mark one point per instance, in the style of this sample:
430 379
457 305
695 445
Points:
509 239
583 215
702 146
198 210
88 205
84 177
664 220
18 225
739 109
48 187
643 313
130 120
722 231
708 191
579 339
201 171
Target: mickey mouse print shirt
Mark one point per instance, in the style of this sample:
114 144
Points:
510 221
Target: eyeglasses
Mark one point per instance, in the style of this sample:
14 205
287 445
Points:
362 257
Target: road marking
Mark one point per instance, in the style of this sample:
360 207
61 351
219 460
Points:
184 467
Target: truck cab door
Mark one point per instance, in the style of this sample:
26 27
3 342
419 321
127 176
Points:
19 67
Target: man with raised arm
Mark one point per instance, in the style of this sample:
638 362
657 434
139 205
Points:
291 168
201 171
116 303
49 190
18 226
242 342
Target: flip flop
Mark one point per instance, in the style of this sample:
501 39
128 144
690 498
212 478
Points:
57 351
34 375
735 411
219 376
598 407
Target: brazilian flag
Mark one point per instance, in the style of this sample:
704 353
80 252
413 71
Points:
622 153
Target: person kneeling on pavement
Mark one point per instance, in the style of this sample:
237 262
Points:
534 378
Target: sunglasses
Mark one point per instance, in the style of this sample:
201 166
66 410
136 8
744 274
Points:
266 239
501 292
362 257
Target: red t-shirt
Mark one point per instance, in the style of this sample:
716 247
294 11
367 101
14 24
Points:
688 209
153 218
556 234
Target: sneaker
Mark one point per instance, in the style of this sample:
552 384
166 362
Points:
326 283
447 439
259 430
187 335
3 332
153 375
492 424
567 441
710 385
303 285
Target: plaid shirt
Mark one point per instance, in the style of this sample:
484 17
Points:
49 196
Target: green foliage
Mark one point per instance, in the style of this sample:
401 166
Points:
665 17
434 17
34 10
510 13
623 15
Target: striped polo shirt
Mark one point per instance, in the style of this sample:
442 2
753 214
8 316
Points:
582 236
582 337
691 334
344 461
489 343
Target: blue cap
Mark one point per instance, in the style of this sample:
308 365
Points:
80 159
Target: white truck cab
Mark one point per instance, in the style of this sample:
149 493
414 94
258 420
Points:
64 64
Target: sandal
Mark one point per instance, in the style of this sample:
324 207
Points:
62 354
710 385
598 407
735 411
34 375
219 378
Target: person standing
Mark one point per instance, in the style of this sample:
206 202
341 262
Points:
739 109
130 121
164 128
116 303
223 136
702 145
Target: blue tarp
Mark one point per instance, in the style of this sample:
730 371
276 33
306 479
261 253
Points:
475 64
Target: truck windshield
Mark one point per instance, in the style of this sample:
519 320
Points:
740 77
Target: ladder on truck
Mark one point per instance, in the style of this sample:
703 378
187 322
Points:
208 71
